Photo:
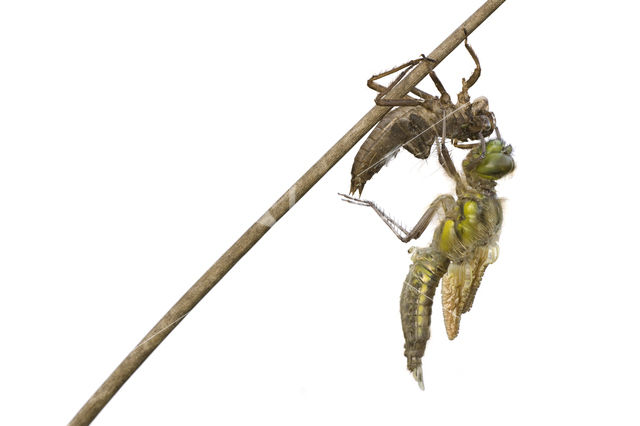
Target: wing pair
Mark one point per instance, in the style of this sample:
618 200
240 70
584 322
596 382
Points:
460 284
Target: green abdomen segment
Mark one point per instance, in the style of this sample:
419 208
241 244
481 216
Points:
416 302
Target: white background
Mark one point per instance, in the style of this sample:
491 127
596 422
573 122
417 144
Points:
139 139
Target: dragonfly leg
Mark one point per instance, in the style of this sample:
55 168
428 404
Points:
407 100
396 227
447 163
444 158
456 143
463 96
444 96
446 202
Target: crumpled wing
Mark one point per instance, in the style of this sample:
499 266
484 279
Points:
483 257
458 276
460 285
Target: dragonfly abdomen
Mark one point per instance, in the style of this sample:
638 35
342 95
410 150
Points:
416 301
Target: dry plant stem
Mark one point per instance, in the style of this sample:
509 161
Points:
197 292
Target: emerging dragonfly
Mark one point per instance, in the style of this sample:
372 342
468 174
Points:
413 125
464 244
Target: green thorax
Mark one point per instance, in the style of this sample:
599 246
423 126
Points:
478 217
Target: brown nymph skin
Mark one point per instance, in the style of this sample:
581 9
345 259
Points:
416 123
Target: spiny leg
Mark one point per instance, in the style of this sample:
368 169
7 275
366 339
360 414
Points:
443 93
476 72
407 100
443 155
457 144
483 142
447 202
396 227
424 95
446 162
382 89
463 96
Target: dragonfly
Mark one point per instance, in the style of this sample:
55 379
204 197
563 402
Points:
464 244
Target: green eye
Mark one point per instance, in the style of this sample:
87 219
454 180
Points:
495 165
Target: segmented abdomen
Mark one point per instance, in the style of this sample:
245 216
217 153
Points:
408 127
416 301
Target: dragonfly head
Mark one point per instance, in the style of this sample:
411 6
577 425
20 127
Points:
492 164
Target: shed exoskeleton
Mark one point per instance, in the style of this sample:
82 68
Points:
413 125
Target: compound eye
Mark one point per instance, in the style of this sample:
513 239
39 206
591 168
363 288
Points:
486 123
496 165
481 124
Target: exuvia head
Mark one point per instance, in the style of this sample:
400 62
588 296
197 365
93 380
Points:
484 121
492 164
481 121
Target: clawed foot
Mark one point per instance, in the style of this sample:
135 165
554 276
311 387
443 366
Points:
426 58
356 201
